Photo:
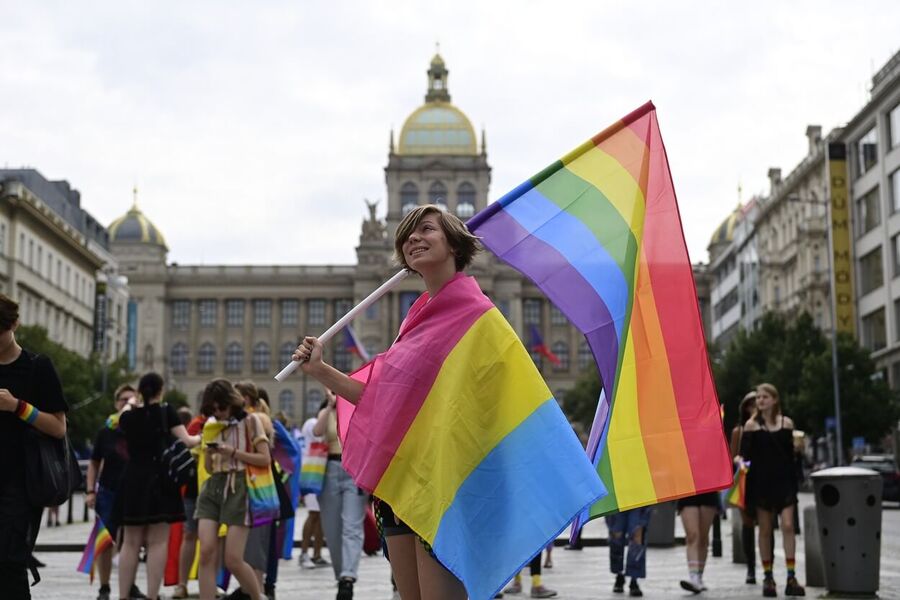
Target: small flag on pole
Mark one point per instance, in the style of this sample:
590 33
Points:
537 345
353 345
98 541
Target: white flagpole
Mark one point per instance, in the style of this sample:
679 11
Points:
378 293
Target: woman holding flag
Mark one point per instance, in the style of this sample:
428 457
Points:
448 421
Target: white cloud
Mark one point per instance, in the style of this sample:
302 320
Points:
254 131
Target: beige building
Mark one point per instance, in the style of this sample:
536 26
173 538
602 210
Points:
194 323
51 254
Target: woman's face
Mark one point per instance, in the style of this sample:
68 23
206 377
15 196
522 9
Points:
764 400
427 246
221 413
123 399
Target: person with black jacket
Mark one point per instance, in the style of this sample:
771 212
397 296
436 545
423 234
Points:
30 396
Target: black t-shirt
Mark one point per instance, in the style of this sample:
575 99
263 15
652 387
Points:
111 448
33 379
146 429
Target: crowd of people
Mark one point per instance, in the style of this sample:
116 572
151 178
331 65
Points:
137 500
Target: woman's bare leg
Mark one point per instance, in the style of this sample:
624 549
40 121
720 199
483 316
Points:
436 582
404 566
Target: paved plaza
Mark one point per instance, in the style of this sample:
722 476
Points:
576 575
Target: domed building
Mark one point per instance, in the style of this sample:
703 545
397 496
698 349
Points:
196 322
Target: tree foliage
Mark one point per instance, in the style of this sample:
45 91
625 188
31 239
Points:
82 382
796 358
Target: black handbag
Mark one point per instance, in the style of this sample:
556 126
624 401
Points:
177 460
53 474
52 471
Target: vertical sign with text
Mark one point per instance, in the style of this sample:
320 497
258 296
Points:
100 310
131 339
840 239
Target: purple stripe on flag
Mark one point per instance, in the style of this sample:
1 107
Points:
561 282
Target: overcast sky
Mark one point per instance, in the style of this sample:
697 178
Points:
254 130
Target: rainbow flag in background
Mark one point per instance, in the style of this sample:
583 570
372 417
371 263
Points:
98 541
599 232
459 434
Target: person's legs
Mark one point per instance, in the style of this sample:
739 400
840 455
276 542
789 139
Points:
707 516
186 556
14 577
764 519
436 582
789 539
330 508
157 549
690 520
104 565
616 525
132 536
353 511
636 565
235 543
748 543
318 537
208 533
404 566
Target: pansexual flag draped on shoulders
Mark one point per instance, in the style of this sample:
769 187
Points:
459 434
599 232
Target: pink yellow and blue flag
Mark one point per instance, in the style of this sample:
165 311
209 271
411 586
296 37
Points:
599 232
97 543
537 345
459 434
353 345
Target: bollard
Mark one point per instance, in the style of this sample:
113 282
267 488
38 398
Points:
815 570
848 514
661 530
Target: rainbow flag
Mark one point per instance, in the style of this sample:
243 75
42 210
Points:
97 543
599 232
459 434
737 495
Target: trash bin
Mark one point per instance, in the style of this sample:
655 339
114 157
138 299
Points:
661 530
848 511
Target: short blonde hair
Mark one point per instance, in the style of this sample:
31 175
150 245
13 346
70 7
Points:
461 241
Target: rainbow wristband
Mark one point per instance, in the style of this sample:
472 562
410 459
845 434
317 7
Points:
27 412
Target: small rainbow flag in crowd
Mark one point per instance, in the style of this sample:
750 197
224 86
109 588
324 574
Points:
98 541
459 434
600 234
737 495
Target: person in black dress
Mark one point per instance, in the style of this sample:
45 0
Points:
748 513
768 445
148 500
30 396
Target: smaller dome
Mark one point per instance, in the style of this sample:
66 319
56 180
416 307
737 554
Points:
724 233
135 227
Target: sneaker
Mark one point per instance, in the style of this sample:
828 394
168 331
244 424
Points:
306 562
539 591
180 592
692 585
619 585
103 594
320 562
793 588
770 590
751 578
136 593
634 589
238 594
514 588
345 589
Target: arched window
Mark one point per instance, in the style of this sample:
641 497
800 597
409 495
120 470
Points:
465 200
234 358
178 359
409 197
585 356
437 194
286 402
206 358
285 353
148 357
261 357
561 350
314 398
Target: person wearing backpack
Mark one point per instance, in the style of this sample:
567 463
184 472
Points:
148 499
30 396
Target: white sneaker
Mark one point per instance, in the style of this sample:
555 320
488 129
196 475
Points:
306 562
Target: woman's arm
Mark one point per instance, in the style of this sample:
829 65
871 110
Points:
181 433
321 425
310 351
91 485
260 457
736 442
51 423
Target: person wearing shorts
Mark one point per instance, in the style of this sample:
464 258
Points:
223 497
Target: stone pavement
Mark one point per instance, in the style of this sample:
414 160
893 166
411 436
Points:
576 575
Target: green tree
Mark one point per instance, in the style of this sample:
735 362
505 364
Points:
81 382
580 403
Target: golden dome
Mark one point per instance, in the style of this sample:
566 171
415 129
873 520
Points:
724 233
438 128
134 226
